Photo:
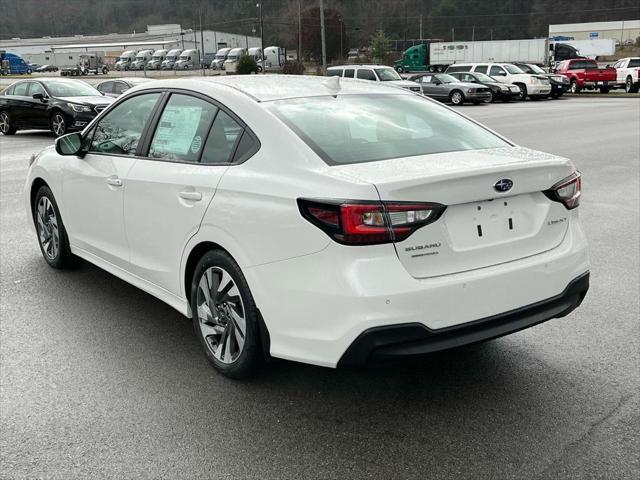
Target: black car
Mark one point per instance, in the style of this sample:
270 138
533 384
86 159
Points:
58 104
499 91
47 68
559 83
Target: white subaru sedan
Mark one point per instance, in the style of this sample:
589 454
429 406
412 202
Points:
330 221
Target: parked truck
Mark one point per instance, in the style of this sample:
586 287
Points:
87 63
13 64
584 73
142 57
436 56
627 73
126 59
156 59
170 60
221 56
232 59
274 58
188 60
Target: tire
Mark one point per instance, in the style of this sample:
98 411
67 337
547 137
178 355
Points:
58 123
399 69
105 70
556 95
574 86
52 236
220 302
522 96
456 97
629 86
6 127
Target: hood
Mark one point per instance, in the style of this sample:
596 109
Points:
467 85
95 100
401 83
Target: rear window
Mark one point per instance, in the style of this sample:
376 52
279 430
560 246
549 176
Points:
336 72
363 128
634 62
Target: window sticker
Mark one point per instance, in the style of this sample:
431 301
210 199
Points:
196 144
176 130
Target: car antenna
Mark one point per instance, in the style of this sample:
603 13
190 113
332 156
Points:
333 85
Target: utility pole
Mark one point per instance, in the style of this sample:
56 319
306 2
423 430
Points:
491 33
259 5
453 34
299 30
201 43
322 38
473 33
420 27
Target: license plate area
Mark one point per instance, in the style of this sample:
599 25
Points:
493 222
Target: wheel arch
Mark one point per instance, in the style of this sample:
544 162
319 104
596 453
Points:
36 184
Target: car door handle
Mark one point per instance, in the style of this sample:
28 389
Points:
114 181
191 195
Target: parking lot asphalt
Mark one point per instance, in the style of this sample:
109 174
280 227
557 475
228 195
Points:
99 379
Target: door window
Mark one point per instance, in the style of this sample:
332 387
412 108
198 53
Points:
336 72
106 87
349 72
120 87
119 132
496 71
481 68
222 139
182 129
366 74
20 89
36 88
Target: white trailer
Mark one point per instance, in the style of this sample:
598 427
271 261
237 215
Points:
495 51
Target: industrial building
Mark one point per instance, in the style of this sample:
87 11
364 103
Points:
622 31
64 51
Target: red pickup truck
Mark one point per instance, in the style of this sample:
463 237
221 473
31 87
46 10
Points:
584 73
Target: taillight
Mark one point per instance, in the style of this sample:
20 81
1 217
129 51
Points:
567 191
353 222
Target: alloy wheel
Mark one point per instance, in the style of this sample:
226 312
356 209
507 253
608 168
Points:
59 126
627 87
4 122
221 315
456 98
47 226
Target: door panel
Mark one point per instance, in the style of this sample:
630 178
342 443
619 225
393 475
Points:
39 110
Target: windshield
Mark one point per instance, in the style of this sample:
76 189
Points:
124 59
512 69
156 57
363 128
184 57
387 74
170 57
536 69
484 78
444 78
71 89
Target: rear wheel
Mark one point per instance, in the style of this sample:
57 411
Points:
52 236
574 86
225 318
399 69
629 86
58 124
6 125
456 97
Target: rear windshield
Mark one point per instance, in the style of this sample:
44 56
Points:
364 128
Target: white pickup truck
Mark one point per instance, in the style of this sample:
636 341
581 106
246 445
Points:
628 72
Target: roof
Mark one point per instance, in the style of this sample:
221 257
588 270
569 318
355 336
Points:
359 66
265 88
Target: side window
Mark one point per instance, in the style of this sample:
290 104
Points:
481 68
106 87
36 88
336 72
120 130
10 90
427 79
247 146
20 89
496 71
349 73
120 87
182 129
222 139
366 74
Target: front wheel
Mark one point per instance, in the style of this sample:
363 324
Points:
522 95
52 236
456 97
6 125
58 124
225 317
574 86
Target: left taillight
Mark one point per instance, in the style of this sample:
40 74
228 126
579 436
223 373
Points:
368 222
567 191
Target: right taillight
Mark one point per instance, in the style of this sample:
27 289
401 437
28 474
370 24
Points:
567 191
368 222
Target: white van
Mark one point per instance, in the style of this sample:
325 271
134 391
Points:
375 73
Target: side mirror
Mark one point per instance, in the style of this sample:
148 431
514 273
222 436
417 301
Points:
39 96
69 144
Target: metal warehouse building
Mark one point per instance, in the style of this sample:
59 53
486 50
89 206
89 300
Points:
621 31
64 51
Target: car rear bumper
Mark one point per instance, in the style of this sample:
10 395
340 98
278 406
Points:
315 306
398 341
538 89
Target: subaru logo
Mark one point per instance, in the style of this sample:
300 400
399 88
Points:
503 185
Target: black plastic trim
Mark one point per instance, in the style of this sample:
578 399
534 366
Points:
408 339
